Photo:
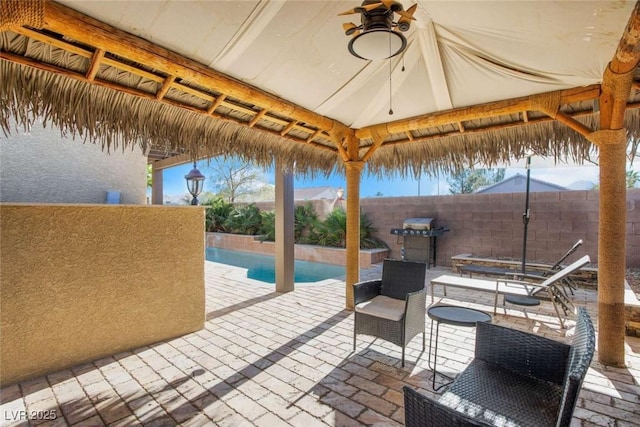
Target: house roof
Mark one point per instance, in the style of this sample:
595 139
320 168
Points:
482 81
517 183
315 193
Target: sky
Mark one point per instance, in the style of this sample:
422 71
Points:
542 169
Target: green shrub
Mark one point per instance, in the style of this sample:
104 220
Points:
216 214
333 231
268 226
244 220
305 224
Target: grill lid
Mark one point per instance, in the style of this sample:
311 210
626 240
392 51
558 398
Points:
418 223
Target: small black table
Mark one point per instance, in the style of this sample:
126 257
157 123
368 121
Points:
451 315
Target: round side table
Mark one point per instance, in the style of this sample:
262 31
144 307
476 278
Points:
451 315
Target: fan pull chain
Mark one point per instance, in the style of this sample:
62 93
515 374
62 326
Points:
390 91
403 60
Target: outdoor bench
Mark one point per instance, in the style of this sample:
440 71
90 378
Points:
516 379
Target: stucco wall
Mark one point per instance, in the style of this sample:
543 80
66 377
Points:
43 167
81 282
491 224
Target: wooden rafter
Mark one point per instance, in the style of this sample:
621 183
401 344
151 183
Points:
166 85
216 103
288 128
95 64
257 117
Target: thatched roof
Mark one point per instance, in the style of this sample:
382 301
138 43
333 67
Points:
126 92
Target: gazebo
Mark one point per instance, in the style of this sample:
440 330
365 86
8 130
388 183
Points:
478 82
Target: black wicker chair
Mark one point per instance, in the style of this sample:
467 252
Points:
516 379
392 308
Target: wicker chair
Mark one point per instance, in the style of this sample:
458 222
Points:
516 379
392 308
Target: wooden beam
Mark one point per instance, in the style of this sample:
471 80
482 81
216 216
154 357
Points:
461 127
498 127
379 134
166 85
314 135
95 64
409 135
492 109
525 116
64 20
573 124
173 161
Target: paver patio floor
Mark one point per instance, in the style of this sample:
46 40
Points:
269 359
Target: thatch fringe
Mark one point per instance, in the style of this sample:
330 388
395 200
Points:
454 153
116 120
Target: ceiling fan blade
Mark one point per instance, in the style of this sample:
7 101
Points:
392 4
408 14
360 9
372 6
349 28
350 11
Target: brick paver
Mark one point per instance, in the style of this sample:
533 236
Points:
269 359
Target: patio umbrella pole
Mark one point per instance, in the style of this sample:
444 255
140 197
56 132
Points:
525 216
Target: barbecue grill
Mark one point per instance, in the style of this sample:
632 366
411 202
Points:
419 239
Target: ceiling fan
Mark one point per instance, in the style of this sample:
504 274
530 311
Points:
378 36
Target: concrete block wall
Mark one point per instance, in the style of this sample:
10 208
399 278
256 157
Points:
492 225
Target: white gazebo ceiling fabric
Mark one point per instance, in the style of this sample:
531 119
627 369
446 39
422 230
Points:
459 53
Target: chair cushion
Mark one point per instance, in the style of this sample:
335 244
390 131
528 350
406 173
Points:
381 306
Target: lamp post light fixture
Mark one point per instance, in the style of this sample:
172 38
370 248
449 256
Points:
195 183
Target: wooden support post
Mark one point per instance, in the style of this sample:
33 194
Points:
354 171
616 87
611 252
285 247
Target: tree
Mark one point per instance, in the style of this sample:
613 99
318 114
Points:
232 179
149 175
633 177
470 180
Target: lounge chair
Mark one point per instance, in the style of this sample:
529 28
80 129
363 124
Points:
540 270
523 288
392 308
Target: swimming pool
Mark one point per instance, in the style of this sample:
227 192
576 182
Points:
262 267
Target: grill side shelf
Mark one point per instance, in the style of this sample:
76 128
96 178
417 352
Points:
426 233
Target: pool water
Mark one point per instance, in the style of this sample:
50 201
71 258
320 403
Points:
263 267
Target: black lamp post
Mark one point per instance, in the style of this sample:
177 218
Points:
195 182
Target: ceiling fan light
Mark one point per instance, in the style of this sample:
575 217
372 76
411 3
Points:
379 43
